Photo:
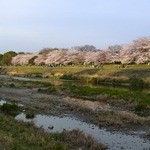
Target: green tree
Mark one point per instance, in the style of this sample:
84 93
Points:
31 61
1 56
7 58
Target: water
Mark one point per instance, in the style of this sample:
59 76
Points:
68 82
114 141
2 102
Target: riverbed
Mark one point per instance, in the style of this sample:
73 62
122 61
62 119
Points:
115 140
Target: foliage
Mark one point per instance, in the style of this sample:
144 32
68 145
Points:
1 55
7 58
31 61
123 94
15 135
10 109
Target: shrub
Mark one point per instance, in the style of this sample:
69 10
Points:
30 115
10 109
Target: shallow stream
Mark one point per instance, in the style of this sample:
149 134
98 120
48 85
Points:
114 140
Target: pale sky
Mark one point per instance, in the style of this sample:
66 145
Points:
30 25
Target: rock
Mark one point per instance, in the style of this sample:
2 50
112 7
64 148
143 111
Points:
51 127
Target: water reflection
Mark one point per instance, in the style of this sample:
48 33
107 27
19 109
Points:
68 82
115 141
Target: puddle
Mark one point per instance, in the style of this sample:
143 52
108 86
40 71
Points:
114 141
2 102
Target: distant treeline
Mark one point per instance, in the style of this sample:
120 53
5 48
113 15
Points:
136 52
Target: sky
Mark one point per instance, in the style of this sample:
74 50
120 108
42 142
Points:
30 25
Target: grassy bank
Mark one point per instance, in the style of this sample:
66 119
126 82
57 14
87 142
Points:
111 71
114 106
134 99
15 135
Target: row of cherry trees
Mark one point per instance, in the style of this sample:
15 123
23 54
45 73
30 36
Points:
136 52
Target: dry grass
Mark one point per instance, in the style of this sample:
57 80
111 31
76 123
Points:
15 135
80 71
77 137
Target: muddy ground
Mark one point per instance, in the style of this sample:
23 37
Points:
98 112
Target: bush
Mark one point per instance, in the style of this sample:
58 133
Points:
10 109
30 115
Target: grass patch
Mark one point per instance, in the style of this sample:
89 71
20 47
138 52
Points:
35 84
108 74
10 109
111 70
136 97
16 135
30 115
49 90
19 135
69 77
120 119
81 142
